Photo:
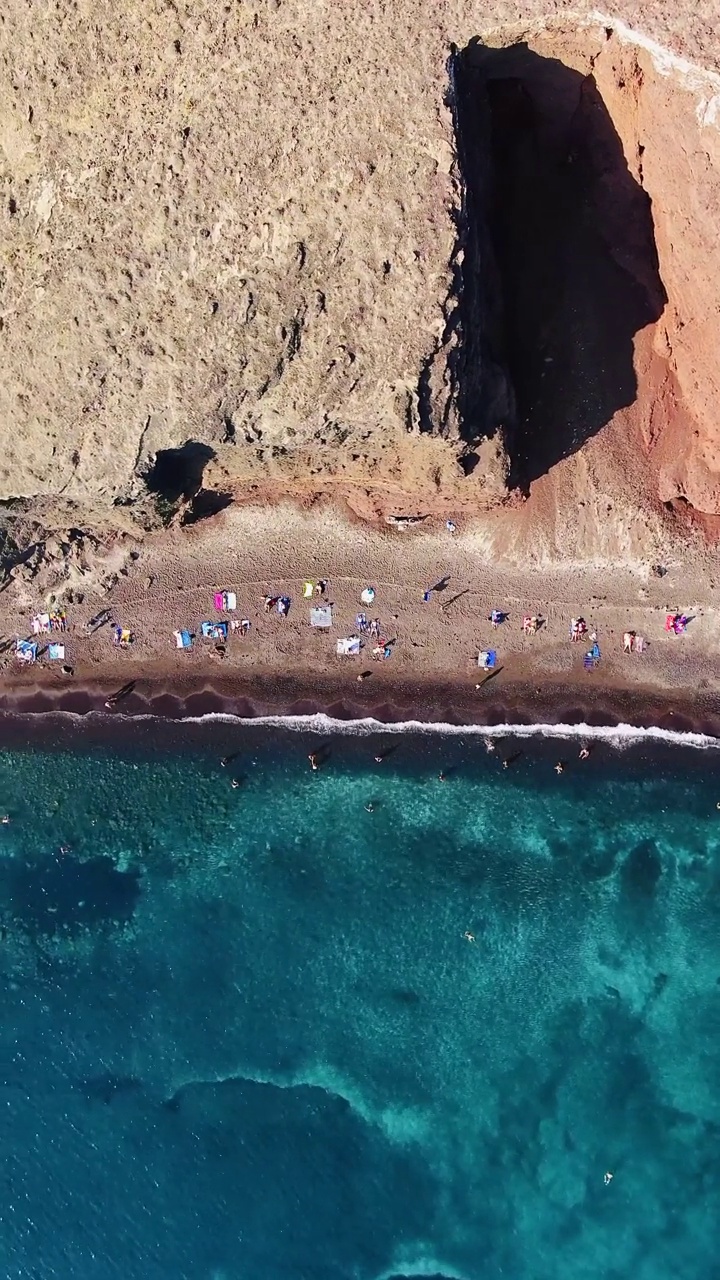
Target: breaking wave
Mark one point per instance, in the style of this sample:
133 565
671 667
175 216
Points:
618 736
621 735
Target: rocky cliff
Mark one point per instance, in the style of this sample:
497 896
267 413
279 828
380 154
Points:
408 257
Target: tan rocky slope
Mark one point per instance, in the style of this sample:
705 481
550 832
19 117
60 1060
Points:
288 235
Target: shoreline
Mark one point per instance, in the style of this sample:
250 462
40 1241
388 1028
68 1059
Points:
286 667
389 702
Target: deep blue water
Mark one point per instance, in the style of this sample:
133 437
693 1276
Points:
244 1036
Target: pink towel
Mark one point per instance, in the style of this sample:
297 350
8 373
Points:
219 600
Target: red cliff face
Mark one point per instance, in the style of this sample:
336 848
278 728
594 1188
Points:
667 116
593 157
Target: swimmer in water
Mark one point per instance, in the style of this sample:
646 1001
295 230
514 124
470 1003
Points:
559 767
64 848
442 777
6 818
379 760
370 806
235 783
608 1179
469 937
314 762
489 744
584 753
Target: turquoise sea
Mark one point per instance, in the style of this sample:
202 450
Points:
245 1035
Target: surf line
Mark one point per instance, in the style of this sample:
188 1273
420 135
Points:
620 735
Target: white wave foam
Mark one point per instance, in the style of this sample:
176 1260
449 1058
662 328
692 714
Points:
619 736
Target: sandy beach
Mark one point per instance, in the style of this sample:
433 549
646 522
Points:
284 666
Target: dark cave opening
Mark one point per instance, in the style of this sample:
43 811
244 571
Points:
561 268
178 473
205 504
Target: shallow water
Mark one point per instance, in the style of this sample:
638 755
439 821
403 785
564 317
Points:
244 1035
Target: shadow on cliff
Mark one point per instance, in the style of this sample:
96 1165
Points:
560 267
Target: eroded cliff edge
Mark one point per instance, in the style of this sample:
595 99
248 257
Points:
278 249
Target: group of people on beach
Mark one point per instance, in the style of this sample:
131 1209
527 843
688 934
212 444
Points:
633 643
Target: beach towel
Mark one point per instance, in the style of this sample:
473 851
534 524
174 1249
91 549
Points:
214 630
283 606
321 616
347 647
219 600
367 595
26 650
56 651
487 659
183 639
308 590
230 601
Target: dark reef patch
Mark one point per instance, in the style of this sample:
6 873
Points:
66 895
